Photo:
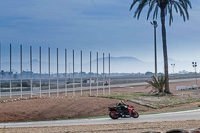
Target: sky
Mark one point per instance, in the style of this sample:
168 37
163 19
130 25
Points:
93 25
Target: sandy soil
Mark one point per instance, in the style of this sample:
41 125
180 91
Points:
112 128
77 107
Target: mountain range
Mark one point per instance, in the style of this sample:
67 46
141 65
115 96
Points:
118 65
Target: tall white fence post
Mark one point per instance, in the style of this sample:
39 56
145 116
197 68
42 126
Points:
10 70
73 76
40 65
97 77
65 72
109 72
49 68
90 72
21 70
57 75
0 70
81 74
103 76
31 71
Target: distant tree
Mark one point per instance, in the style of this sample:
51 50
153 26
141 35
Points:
2 73
85 81
149 73
15 75
160 74
164 6
11 73
83 73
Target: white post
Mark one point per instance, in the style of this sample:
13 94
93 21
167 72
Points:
21 69
81 75
97 77
196 76
73 76
40 72
57 75
90 72
109 73
103 76
10 70
65 72
31 71
0 70
49 71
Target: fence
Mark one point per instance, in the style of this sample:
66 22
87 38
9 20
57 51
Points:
51 84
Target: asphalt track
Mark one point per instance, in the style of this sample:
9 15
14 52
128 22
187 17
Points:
171 116
85 88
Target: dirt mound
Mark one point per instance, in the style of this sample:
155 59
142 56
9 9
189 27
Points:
57 108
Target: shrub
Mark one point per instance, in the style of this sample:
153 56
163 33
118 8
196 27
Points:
157 83
24 84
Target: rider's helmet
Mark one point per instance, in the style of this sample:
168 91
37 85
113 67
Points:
120 102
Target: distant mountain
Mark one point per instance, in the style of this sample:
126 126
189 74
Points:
134 65
124 59
118 64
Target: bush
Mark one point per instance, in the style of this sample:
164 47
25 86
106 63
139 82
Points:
24 84
5 85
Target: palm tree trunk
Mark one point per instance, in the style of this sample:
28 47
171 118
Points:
165 51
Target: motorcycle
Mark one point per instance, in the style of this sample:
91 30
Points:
116 112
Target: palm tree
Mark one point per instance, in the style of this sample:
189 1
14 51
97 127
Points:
157 83
165 6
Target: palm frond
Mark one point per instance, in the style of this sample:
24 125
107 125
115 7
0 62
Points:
155 14
180 6
151 6
141 5
134 2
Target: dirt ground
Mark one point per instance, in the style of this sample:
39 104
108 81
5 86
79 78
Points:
79 107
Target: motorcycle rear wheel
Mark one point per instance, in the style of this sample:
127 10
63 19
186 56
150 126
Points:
113 115
135 114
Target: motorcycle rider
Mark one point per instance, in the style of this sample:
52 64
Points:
122 106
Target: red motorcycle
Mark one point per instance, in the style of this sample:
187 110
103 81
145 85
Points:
116 112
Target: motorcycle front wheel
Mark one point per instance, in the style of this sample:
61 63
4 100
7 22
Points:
135 114
113 115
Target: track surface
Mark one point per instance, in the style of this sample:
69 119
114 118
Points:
36 92
171 116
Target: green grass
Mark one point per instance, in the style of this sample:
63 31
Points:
125 96
133 95
146 113
156 101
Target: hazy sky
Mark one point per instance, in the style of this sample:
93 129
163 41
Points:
96 25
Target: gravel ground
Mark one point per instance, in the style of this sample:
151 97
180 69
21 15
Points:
111 128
